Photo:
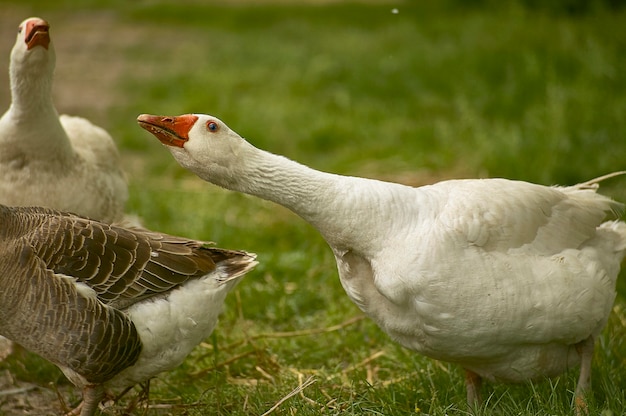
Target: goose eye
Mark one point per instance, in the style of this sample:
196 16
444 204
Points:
212 126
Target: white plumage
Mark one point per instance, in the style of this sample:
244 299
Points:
511 280
64 162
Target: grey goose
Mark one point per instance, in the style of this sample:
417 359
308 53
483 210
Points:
110 306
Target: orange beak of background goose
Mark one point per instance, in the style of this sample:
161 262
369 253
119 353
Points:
37 33
171 131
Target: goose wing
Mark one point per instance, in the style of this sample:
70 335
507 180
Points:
502 215
55 316
121 265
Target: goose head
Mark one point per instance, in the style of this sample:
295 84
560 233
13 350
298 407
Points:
203 144
31 69
35 32
33 48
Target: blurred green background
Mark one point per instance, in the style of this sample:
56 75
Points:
407 91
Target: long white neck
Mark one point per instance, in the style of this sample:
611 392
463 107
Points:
343 209
31 95
32 122
305 191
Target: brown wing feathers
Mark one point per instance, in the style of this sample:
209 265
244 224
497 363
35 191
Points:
90 333
122 266
93 339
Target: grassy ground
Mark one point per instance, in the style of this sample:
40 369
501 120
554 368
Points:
392 90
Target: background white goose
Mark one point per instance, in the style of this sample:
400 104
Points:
112 307
64 162
511 280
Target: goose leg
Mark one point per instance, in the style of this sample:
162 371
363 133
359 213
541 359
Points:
585 349
142 398
92 396
146 392
473 383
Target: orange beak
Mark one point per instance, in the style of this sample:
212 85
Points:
37 33
171 131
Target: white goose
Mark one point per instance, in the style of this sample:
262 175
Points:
112 307
511 280
63 162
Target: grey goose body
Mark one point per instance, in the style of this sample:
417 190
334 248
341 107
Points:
110 306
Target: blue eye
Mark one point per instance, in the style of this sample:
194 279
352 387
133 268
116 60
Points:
212 126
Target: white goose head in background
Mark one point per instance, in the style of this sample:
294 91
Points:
509 279
34 31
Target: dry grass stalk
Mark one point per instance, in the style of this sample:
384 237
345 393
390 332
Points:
294 392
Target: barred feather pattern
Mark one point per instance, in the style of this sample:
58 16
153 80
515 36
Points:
121 265
92 339
67 281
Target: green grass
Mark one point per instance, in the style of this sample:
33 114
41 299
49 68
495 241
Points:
431 92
